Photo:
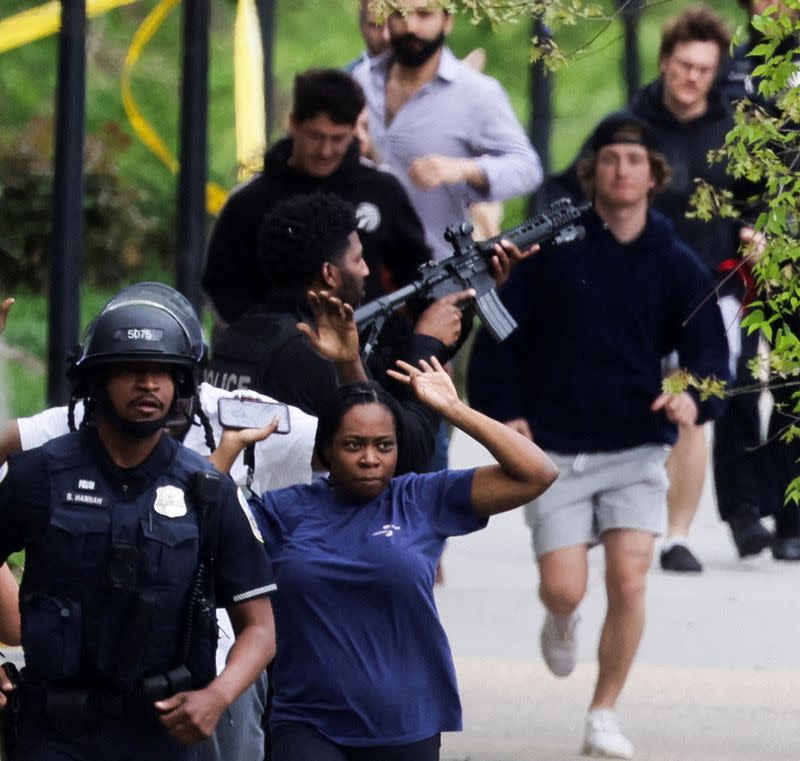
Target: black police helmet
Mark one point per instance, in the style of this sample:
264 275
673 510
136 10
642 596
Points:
145 322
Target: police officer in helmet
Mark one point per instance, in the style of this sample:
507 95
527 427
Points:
131 541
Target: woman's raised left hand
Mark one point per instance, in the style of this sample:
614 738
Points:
430 382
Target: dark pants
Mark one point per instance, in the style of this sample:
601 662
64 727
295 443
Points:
102 742
748 472
301 742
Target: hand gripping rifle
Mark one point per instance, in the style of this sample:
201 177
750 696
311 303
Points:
470 267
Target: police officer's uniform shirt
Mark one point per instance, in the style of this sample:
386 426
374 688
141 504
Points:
361 653
28 503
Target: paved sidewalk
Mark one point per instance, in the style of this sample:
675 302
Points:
717 676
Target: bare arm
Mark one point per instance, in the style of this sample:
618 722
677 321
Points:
10 442
191 717
520 425
5 308
523 471
9 607
9 590
234 440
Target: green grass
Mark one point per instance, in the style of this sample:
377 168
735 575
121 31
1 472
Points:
309 33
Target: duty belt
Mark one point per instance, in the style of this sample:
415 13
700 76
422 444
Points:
72 710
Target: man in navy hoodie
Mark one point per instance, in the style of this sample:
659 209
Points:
582 376
690 117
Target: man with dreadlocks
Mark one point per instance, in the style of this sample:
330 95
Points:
126 533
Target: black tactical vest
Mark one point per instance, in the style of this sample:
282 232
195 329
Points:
106 586
243 354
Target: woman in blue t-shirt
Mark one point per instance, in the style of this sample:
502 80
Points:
363 670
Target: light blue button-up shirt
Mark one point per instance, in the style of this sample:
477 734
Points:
460 113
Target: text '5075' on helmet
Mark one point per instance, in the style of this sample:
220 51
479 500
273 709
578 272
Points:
145 322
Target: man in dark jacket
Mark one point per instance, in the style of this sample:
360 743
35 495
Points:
582 376
320 154
309 243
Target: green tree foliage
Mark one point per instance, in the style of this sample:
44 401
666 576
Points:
116 231
764 148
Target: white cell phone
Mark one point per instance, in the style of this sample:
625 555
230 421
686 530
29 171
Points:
252 413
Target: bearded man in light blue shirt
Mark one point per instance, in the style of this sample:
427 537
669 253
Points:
448 131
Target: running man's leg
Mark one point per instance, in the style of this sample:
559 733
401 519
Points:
628 557
686 468
563 576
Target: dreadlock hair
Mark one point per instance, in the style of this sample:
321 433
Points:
299 235
71 414
208 431
347 397
89 406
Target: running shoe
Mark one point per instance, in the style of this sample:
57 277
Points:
603 737
558 643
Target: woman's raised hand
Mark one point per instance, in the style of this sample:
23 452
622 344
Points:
430 382
334 334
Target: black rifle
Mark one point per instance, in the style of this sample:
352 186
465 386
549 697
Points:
470 267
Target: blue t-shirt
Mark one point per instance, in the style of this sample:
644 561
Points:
362 655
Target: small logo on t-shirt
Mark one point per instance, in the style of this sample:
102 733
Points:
387 530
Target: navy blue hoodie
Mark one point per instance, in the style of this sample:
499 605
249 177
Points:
686 146
595 319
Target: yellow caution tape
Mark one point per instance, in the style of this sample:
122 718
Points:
43 21
215 194
249 108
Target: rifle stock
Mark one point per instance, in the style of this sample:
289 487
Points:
470 267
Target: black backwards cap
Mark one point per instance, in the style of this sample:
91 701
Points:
623 127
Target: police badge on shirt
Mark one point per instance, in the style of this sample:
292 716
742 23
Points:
170 502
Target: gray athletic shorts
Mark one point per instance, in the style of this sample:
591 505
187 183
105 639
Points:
597 492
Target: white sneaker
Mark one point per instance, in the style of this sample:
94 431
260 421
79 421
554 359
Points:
603 737
558 643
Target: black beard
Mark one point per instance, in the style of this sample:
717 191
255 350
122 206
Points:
413 52
143 429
